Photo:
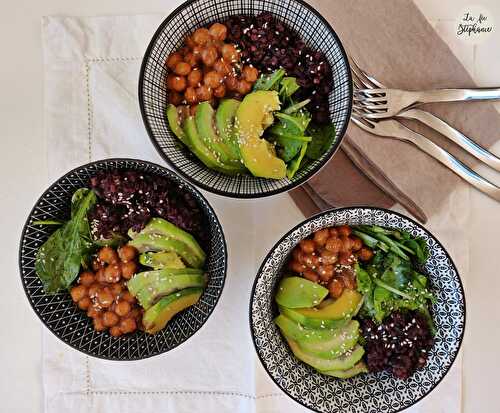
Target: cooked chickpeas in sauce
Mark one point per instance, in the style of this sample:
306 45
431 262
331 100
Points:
328 257
104 295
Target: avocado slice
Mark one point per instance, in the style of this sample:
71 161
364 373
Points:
347 374
343 307
224 121
155 242
299 333
164 228
144 279
174 121
156 317
203 153
252 116
344 362
298 292
159 260
165 285
294 315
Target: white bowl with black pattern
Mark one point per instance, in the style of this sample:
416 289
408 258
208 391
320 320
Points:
315 31
380 392
62 317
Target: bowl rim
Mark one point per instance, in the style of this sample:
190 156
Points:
293 184
170 173
326 212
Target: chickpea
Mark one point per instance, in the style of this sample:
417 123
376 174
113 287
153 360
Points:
183 51
192 110
218 45
173 59
243 87
220 91
195 77
182 69
84 303
128 325
94 312
344 230
135 313
100 275
129 298
177 83
127 253
113 273
296 253
109 319
346 244
250 73
78 292
222 67
311 261
333 232
175 98
98 324
93 290
231 81
325 272
356 243
209 55
86 278
190 42
201 36
345 258
349 280
116 289
218 31
212 79
192 59
311 275
307 246
333 244
197 52
328 257
104 297
96 264
230 54
108 255
335 287
190 95
122 308
321 236
365 254
296 266
204 93
115 331
129 269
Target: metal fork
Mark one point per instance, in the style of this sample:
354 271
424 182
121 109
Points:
393 129
364 82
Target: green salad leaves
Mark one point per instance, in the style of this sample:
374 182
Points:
59 259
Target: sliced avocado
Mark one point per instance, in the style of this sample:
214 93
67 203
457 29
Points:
298 332
297 292
346 374
205 118
344 362
252 116
156 317
203 153
343 307
224 121
143 279
165 285
159 260
174 122
295 315
160 226
155 242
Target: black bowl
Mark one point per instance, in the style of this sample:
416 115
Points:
314 30
58 312
380 392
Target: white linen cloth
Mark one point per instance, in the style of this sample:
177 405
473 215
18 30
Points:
91 112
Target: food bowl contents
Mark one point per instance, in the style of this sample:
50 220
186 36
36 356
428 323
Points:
353 300
130 253
267 114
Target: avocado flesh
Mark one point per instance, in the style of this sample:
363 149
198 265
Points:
252 116
293 314
299 333
344 362
144 279
346 374
164 228
175 125
297 292
156 317
204 120
159 260
224 121
163 286
343 307
203 153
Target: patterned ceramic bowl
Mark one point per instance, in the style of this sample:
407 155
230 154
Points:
316 33
62 317
371 392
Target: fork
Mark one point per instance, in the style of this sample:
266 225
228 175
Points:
364 82
393 129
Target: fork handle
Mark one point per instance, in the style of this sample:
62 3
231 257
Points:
462 170
456 95
454 135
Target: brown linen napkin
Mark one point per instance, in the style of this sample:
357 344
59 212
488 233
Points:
393 41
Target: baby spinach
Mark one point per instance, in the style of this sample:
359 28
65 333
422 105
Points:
59 259
294 165
270 81
322 139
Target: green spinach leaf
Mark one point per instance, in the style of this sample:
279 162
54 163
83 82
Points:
322 139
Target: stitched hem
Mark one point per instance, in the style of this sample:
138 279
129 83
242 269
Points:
176 392
89 110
